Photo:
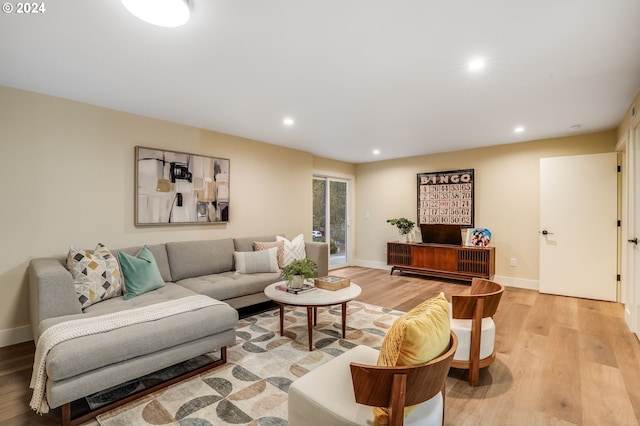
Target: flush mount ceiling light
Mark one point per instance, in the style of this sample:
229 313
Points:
519 129
288 121
164 13
476 64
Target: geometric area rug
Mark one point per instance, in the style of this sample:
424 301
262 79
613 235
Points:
251 388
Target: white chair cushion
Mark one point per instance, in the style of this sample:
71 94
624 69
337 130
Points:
462 328
325 396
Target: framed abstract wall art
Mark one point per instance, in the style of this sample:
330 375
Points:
180 188
446 198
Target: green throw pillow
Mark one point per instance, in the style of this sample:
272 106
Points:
141 273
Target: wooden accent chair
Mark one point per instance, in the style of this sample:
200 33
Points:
323 397
472 321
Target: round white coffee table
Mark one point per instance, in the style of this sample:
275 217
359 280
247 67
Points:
312 300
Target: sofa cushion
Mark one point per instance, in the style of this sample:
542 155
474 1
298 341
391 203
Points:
195 258
252 262
229 285
96 274
246 243
159 252
294 249
87 353
140 272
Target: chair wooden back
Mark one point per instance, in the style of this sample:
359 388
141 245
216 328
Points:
401 386
485 293
482 302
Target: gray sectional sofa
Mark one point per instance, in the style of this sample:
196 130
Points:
88 364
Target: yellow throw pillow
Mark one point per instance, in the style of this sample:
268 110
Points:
418 336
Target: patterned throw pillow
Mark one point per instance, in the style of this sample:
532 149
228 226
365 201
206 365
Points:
96 274
294 249
418 336
260 245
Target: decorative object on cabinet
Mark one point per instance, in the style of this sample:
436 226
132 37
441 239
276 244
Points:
478 237
404 225
446 198
180 188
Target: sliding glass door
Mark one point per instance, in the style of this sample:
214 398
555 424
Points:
330 217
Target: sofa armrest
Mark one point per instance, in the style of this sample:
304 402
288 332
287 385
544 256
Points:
51 292
319 252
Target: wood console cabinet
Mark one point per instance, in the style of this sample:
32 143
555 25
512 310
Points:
449 261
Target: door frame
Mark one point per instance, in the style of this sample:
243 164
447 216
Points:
350 231
628 146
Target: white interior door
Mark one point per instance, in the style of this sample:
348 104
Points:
578 224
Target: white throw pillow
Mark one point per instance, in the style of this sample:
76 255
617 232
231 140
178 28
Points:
294 249
253 262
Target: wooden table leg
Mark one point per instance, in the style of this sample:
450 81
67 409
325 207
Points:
315 315
310 313
281 319
344 319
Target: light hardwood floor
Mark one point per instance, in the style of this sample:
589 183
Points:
560 360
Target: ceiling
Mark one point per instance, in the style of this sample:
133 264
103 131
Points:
354 75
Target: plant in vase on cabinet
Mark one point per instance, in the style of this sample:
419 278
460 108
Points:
404 225
299 270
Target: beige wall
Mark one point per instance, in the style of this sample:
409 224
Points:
69 170
506 197
69 180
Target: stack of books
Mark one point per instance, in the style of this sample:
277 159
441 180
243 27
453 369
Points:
305 288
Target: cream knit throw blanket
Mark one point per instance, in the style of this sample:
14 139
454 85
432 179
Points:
67 330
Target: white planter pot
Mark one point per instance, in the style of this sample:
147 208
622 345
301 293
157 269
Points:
296 281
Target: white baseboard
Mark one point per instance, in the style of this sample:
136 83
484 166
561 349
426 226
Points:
372 264
506 281
518 282
13 336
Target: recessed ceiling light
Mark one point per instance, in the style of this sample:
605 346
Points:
164 13
376 152
288 121
476 64
519 129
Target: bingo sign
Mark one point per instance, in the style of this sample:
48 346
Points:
446 198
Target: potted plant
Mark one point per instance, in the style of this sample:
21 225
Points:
404 225
299 270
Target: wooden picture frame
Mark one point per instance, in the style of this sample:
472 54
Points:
178 188
446 198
